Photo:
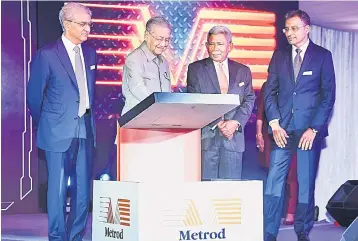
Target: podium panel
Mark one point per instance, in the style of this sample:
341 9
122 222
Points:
178 110
217 210
159 139
157 155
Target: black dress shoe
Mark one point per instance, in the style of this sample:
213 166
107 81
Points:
288 222
302 237
316 213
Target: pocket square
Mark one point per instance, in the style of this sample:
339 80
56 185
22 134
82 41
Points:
307 73
92 67
241 84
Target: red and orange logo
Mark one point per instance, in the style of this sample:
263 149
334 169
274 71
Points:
121 213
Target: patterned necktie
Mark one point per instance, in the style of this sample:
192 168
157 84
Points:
297 62
80 76
223 82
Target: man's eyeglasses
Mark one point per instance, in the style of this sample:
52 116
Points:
293 29
82 24
160 39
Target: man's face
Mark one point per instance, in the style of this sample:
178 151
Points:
218 47
296 31
78 28
157 39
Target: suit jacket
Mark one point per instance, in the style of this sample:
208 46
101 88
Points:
202 78
53 95
141 77
309 100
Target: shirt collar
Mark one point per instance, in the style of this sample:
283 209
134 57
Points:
303 47
68 44
148 54
225 63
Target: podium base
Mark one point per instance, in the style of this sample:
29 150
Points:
223 210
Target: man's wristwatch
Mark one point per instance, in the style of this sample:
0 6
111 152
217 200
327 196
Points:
314 130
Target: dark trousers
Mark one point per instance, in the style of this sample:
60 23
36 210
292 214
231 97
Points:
275 188
76 163
218 163
292 187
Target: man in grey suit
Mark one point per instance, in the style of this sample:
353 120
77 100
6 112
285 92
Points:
146 70
222 140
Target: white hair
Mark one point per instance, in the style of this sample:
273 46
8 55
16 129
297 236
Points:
67 13
220 30
159 21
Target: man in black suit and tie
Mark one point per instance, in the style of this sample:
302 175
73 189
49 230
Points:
223 140
299 97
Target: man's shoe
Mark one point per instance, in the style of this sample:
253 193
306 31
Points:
302 237
316 213
288 222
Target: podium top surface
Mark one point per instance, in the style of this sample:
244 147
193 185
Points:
178 110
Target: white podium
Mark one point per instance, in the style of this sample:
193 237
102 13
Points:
158 196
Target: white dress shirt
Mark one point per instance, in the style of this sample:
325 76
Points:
71 54
303 48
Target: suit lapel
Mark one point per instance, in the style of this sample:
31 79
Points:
89 75
306 60
210 68
65 59
290 64
232 75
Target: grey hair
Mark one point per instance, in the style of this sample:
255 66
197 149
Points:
159 21
220 30
66 12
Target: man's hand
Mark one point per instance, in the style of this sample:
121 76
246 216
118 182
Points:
260 142
228 128
306 140
279 134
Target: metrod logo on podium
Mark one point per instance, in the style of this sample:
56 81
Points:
119 214
220 213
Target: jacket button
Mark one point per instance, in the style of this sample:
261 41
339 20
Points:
294 93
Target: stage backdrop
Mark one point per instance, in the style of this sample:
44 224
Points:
118 29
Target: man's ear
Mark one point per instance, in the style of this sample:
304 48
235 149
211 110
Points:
308 29
66 25
145 35
231 47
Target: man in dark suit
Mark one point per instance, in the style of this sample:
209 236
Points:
299 97
223 140
60 96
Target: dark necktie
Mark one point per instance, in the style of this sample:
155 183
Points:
297 62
